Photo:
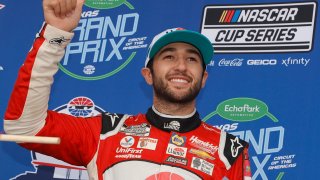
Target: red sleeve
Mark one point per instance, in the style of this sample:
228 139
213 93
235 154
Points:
240 169
79 138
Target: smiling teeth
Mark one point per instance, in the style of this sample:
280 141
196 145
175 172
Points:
179 80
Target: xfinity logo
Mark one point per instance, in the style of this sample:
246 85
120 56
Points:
283 27
263 62
295 61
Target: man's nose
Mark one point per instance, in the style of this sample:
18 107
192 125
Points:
181 63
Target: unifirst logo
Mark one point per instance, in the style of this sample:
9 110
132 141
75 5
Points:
258 15
2 6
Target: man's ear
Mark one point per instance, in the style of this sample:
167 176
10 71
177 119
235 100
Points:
146 73
204 79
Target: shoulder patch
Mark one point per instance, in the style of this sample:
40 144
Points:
110 121
233 147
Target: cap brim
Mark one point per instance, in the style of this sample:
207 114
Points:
198 40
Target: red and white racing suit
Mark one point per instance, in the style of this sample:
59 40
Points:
118 146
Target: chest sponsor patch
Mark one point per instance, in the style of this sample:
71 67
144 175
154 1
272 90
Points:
127 141
177 140
136 130
177 160
203 145
202 165
147 143
201 154
128 153
176 150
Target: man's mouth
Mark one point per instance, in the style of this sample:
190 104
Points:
178 80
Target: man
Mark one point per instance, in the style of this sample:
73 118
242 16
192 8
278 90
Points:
168 142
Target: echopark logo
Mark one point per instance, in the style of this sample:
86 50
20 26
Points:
2 6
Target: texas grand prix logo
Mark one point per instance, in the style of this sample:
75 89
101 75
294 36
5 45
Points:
105 41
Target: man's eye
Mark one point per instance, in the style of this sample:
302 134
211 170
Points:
169 57
192 59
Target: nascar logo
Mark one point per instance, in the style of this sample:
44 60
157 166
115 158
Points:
285 27
256 15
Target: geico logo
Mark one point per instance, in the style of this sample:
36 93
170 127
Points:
269 15
256 35
262 62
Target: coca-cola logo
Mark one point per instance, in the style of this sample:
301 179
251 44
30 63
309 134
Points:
231 62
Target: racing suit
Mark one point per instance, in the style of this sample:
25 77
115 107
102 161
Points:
118 146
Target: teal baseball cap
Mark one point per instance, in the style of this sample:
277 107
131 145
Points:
196 39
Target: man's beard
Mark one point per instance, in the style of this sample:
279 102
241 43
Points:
162 91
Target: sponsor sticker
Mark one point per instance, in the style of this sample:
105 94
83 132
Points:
127 141
203 145
210 128
176 150
136 130
177 160
202 165
147 143
128 153
174 125
282 27
58 41
177 140
201 154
